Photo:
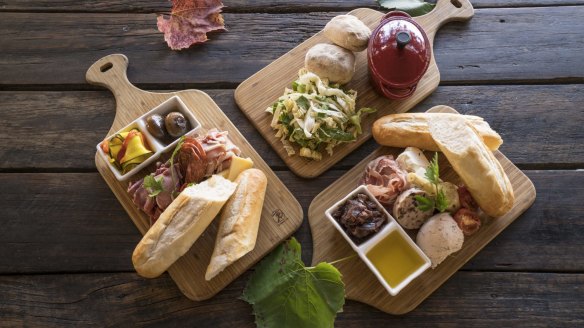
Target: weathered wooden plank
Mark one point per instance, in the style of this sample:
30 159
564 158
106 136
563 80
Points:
476 299
145 6
71 222
497 45
541 125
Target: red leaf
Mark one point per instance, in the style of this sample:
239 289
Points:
190 21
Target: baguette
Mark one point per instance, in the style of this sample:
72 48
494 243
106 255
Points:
180 225
411 130
476 165
239 222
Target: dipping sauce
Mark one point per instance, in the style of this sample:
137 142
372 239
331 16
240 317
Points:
395 258
360 217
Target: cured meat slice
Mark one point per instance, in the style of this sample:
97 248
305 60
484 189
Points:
385 180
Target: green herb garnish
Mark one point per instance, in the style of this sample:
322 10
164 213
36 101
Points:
284 293
425 204
439 201
153 185
179 144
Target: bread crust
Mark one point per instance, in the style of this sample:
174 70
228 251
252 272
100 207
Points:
239 221
476 165
180 225
411 130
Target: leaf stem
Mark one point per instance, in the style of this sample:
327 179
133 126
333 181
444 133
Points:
337 261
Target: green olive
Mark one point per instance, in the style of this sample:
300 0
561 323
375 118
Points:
176 124
155 125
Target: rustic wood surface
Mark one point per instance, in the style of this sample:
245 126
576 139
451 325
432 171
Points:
66 243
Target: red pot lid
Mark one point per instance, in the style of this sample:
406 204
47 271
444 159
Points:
398 51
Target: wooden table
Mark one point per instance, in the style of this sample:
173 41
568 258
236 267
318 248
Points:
66 243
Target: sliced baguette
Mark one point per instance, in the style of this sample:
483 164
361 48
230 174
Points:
411 129
180 225
476 165
239 221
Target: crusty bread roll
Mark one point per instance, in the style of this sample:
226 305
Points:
476 165
411 129
180 225
240 221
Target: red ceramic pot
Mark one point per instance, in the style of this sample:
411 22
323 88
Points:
398 55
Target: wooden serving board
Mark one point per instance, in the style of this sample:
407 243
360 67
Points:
260 91
361 284
281 214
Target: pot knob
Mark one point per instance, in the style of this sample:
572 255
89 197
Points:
403 38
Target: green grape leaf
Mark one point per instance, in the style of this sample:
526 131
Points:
412 7
284 293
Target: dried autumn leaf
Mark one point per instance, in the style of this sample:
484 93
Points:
190 21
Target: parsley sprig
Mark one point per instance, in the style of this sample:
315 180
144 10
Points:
438 202
153 185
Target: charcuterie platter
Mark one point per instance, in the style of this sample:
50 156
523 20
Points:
259 91
281 213
361 283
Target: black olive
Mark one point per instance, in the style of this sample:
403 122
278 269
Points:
155 125
176 124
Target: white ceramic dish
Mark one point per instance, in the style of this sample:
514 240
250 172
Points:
173 104
363 248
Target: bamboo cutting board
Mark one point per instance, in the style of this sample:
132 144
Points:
281 214
260 91
361 284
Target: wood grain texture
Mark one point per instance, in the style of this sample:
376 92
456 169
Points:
260 91
189 271
72 222
548 141
148 6
464 51
361 284
469 299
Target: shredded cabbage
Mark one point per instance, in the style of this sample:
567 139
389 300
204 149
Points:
315 115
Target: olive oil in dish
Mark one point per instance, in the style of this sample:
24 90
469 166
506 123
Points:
395 258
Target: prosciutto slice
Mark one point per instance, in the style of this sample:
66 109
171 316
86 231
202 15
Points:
154 206
385 180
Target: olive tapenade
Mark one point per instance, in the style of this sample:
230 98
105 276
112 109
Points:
360 217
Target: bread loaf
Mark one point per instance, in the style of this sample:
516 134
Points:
411 129
476 165
239 221
180 225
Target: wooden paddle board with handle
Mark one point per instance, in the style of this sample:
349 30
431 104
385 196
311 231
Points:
281 213
360 283
262 89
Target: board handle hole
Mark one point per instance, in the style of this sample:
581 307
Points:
106 67
456 3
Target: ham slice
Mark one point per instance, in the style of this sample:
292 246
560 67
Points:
385 180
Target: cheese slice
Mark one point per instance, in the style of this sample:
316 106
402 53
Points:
224 173
238 165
